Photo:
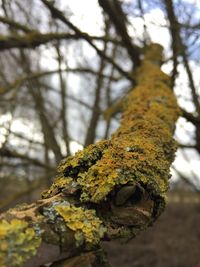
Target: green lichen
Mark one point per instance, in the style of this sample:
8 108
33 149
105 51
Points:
86 225
18 243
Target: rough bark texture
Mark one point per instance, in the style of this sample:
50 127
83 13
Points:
111 189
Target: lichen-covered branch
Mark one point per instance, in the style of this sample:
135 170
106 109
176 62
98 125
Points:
111 189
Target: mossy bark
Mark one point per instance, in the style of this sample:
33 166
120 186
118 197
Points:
112 189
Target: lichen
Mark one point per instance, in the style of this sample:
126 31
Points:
138 156
140 152
142 149
70 167
82 160
18 243
61 182
86 225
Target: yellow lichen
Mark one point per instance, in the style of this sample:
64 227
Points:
139 155
82 160
142 149
18 243
86 225
60 182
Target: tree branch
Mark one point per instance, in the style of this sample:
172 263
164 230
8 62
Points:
34 39
5 152
111 189
15 24
36 75
116 15
56 13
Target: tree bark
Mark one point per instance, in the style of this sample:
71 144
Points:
112 189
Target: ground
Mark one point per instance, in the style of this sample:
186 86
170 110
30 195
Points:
173 241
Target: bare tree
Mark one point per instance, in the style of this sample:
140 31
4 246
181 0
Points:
114 188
